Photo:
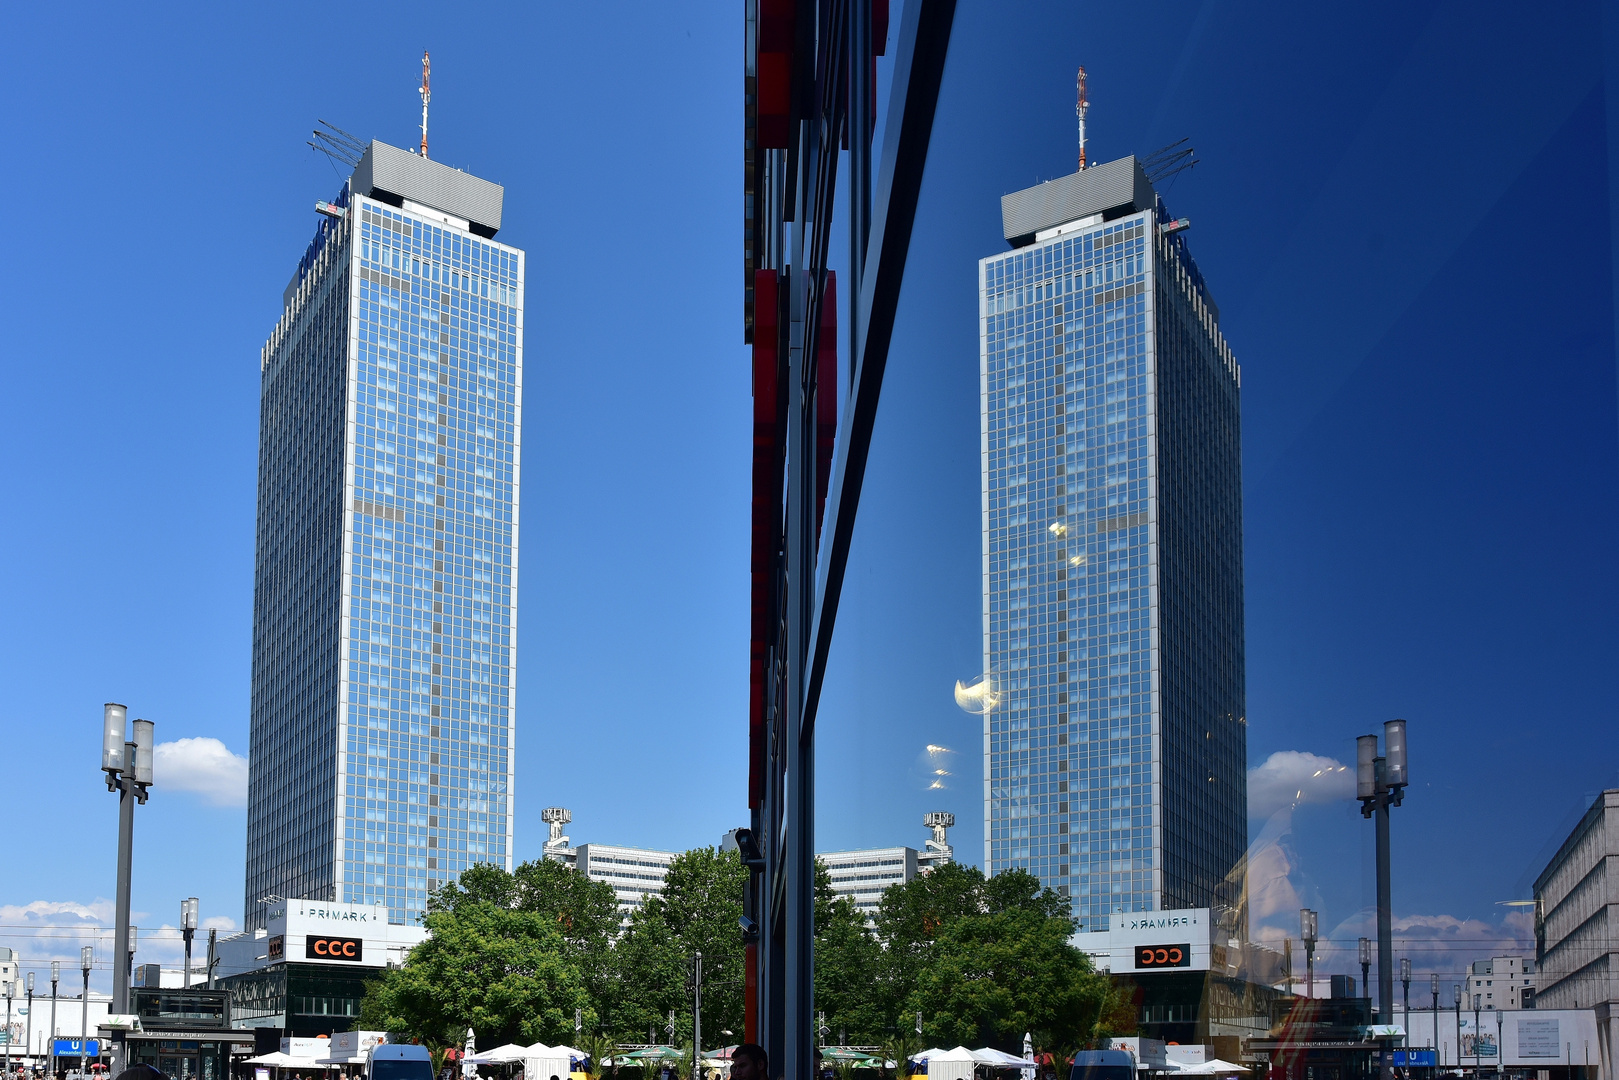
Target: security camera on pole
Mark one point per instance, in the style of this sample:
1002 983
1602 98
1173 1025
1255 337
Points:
128 765
1380 782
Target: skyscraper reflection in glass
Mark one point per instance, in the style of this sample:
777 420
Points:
1115 760
386 574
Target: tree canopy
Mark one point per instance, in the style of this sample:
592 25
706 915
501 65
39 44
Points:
512 955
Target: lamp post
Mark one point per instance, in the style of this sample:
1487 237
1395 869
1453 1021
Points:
1433 984
188 930
134 932
1456 993
28 1029
1366 966
1477 999
56 975
1307 927
87 956
11 989
1405 982
128 765
1380 782
1500 1047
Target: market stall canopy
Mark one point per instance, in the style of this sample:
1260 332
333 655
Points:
655 1053
502 1055
1001 1060
286 1061
1214 1067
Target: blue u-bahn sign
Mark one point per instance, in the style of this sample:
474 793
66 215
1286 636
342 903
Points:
76 1047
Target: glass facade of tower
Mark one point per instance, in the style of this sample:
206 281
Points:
1115 759
386 576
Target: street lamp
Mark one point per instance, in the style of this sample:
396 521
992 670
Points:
188 930
1456 994
1500 1048
1477 998
1366 966
1433 984
1307 928
1380 782
128 765
11 989
1405 981
28 1030
56 975
87 957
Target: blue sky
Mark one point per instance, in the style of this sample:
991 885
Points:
1403 210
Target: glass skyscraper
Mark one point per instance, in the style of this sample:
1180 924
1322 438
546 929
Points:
1115 756
385 585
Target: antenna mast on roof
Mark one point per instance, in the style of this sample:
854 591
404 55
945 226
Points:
426 97
1083 104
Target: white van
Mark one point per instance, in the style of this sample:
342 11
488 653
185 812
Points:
398 1061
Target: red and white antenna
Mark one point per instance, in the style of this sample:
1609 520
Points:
1083 104
426 96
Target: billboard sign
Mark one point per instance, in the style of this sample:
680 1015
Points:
1539 1039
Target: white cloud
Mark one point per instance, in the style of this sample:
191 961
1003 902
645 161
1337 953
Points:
205 766
1290 777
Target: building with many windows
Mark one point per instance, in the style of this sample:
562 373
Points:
1577 921
1115 750
863 875
384 620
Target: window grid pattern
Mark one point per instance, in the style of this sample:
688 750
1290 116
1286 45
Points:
430 619
1072 385
385 612
297 589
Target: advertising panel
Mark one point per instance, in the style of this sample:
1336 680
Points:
1539 1038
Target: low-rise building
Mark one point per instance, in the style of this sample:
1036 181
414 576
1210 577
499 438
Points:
1503 982
634 873
863 875
306 973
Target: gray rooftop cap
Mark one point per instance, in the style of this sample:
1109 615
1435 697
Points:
1113 189
387 170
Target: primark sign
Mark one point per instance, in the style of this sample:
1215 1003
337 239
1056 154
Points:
328 933
1143 941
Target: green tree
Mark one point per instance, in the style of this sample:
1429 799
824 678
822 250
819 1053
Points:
698 911
506 974
847 965
585 913
985 960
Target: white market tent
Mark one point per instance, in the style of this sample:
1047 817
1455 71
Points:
953 1064
1213 1067
500 1055
279 1060
1001 1060
541 1062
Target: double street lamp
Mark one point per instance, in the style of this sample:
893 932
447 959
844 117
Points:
128 765
188 930
1307 927
1380 782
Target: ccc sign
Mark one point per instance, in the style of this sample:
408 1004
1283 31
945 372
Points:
347 949
1163 956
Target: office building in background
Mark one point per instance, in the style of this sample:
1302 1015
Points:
1115 751
385 590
